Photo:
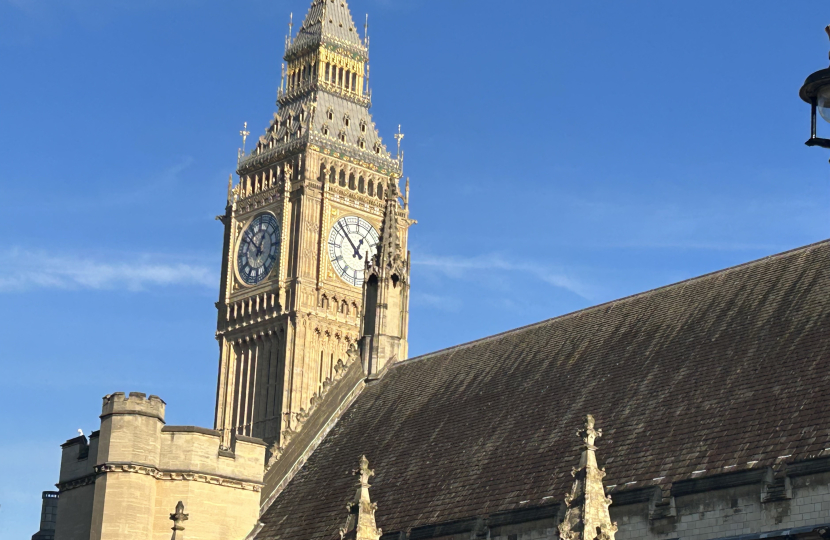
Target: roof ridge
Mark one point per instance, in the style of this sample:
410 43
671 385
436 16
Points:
630 297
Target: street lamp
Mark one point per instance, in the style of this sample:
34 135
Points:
816 92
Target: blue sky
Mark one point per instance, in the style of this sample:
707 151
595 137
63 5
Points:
562 154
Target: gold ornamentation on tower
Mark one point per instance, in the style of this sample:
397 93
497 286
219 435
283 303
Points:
301 223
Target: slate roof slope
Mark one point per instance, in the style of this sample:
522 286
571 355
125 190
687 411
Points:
328 20
725 369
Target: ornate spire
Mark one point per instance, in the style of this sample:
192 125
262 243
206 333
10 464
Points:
178 518
587 517
390 245
327 21
360 525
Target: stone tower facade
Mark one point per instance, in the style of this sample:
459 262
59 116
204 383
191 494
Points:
308 220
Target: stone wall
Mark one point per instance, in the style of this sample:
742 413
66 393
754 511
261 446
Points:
719 513
127 479
729 512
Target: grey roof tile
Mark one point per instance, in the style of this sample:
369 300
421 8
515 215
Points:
726 368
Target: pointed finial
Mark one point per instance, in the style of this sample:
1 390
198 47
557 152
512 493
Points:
230 188
406 200
399 137
178 518
244 134
588 434
366 33
364 471
360 522
290 31
587 516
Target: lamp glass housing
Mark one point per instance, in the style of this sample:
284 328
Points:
823 102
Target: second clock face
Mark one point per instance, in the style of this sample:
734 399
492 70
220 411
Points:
258 249
352 241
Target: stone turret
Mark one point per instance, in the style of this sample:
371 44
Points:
118 483
587 516
386 295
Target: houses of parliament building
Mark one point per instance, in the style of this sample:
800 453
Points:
696 411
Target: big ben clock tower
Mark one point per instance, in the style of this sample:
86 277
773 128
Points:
315 269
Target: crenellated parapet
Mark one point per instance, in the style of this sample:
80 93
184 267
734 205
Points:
135 461
136 403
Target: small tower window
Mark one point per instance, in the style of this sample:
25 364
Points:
325 130
342 136
347 120
363 126
362 144
330 114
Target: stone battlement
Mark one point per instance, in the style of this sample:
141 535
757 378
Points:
134 461
136 403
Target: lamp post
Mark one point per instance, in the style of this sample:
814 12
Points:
816 92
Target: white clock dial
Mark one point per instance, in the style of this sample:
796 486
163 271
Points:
352 241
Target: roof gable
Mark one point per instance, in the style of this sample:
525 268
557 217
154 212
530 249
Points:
720 373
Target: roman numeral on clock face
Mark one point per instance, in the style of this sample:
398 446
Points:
352 241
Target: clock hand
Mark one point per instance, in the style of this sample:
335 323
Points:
259 247
354 247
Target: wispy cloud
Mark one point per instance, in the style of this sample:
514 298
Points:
436 301
458 267
22 270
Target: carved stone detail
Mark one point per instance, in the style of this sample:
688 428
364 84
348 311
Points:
175 475
360 523
587 516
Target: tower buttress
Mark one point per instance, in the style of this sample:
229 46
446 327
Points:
386 294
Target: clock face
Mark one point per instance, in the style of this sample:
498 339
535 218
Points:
258 249
352 241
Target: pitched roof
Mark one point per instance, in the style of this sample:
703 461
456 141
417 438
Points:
328 20
718 371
